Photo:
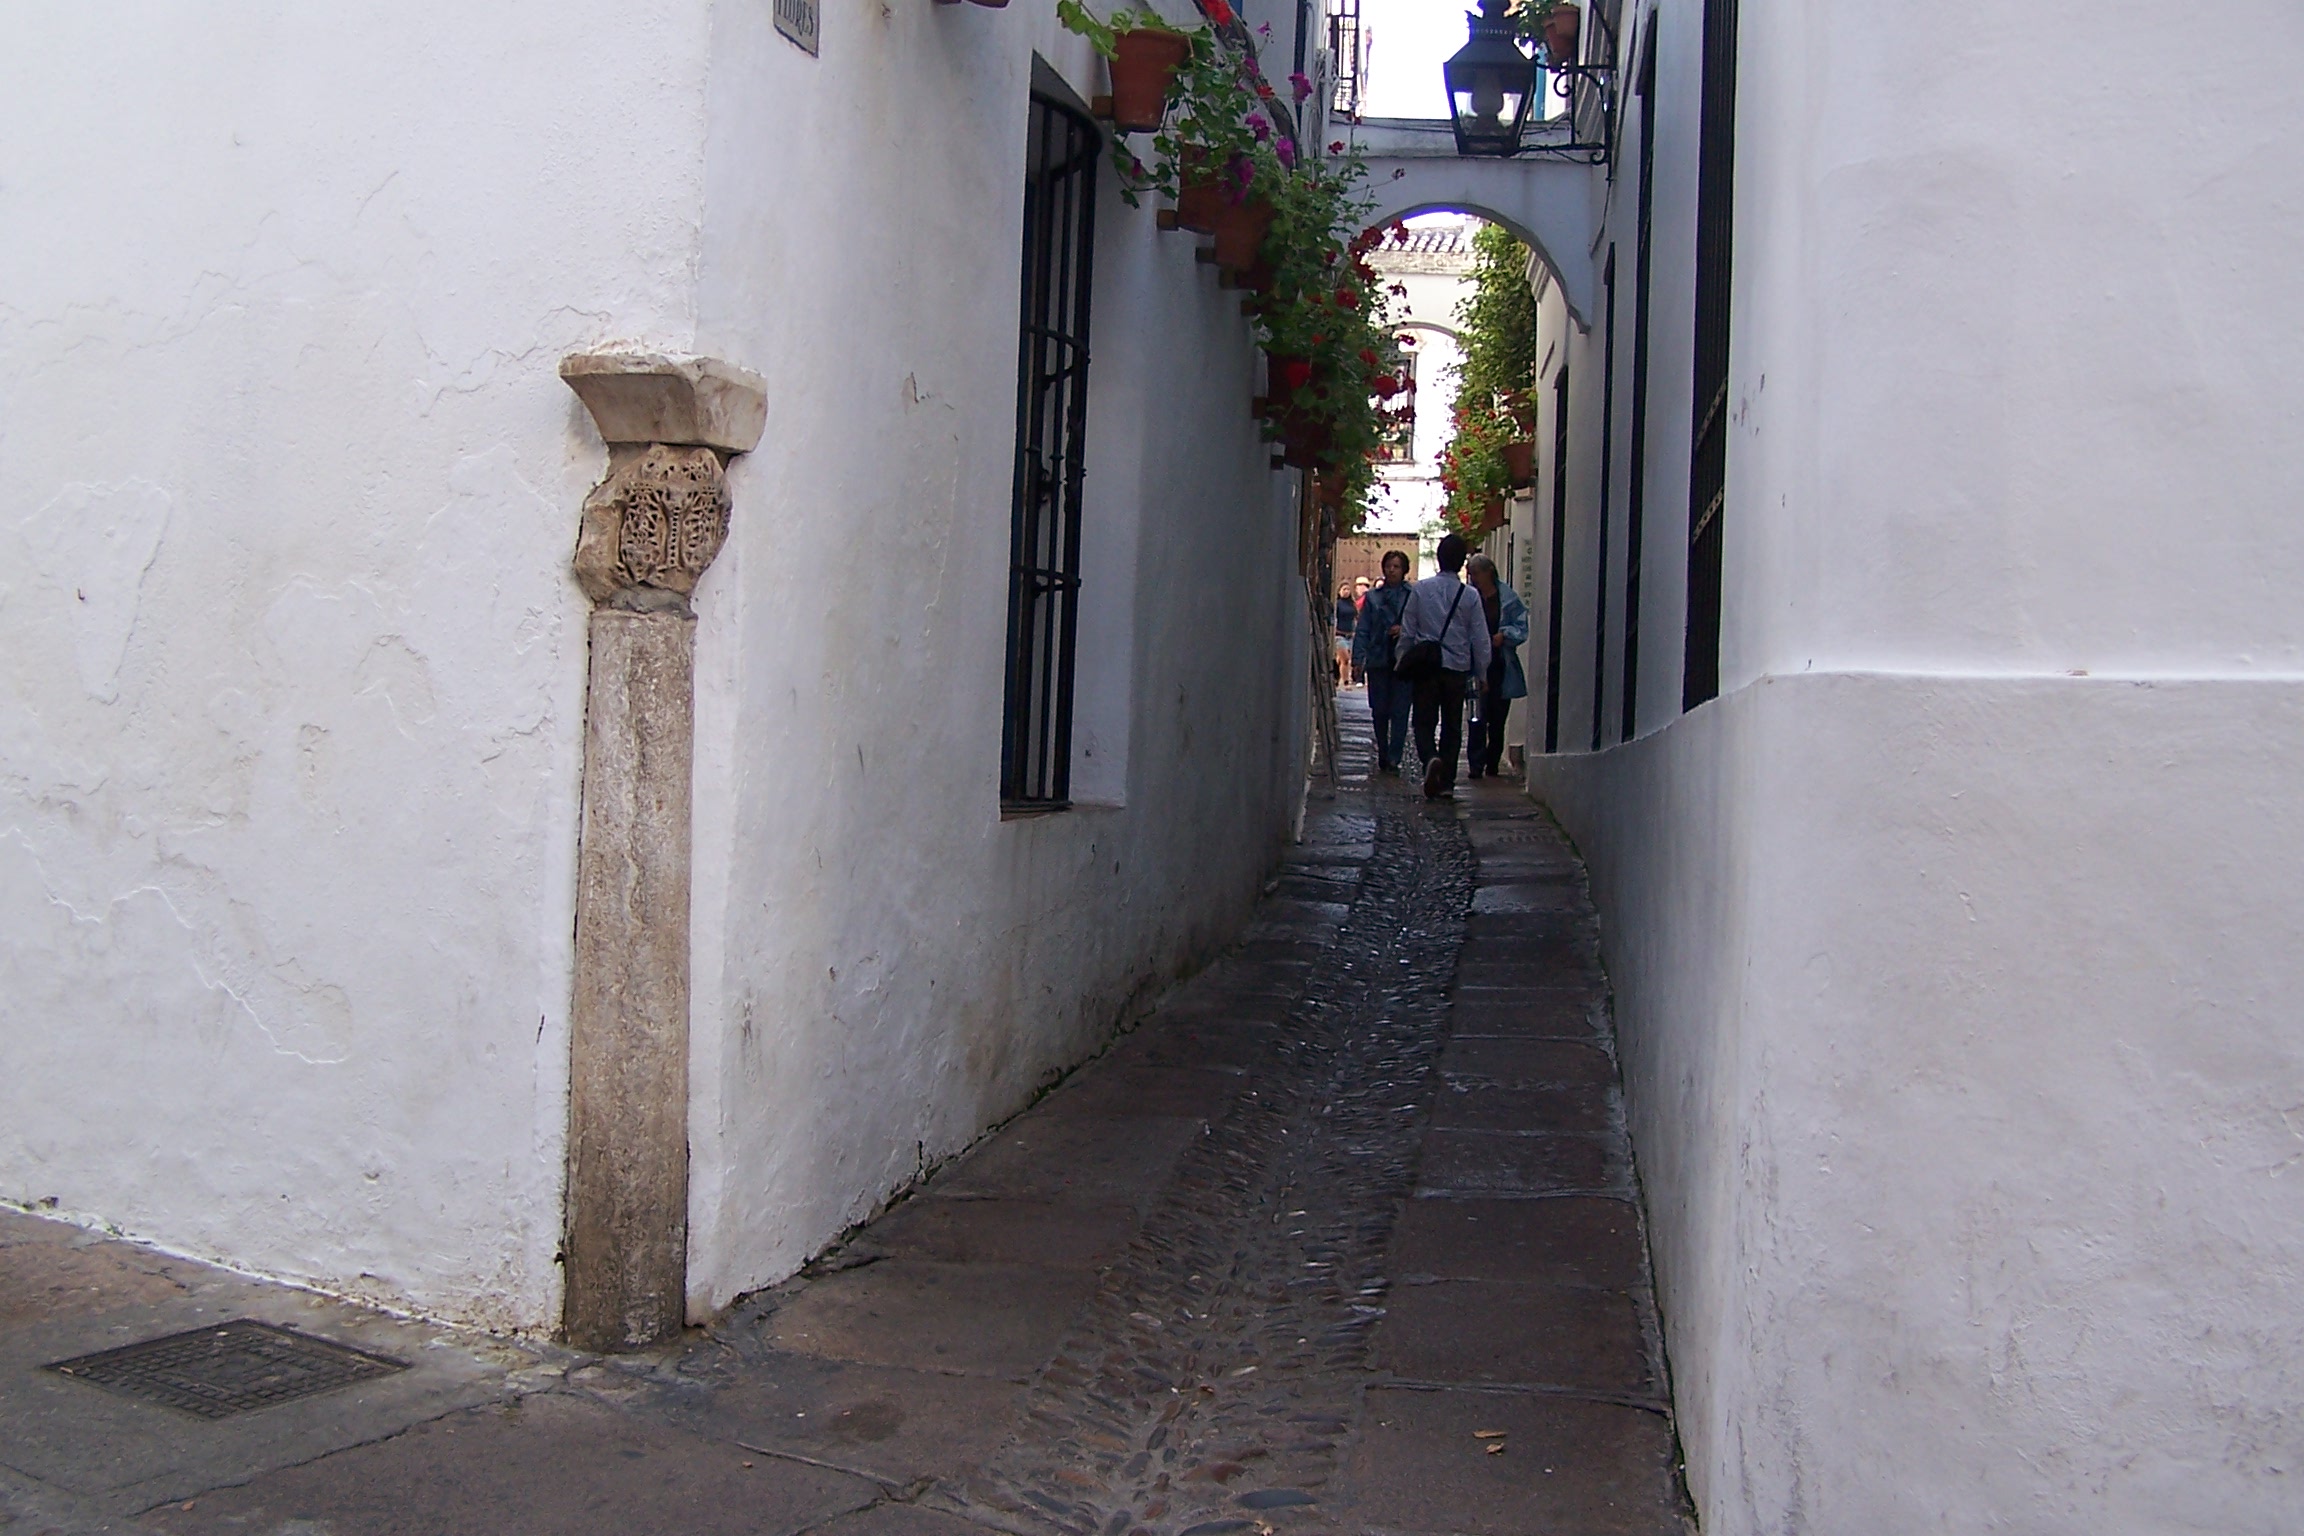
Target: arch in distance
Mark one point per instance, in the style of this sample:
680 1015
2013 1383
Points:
1552 206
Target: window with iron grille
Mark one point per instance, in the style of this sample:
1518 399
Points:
1636 480
1559 584
1708 454
1607 474
1051 427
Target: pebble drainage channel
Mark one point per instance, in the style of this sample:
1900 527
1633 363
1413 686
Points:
1207 1388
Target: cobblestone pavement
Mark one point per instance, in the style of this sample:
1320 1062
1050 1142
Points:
1343 1238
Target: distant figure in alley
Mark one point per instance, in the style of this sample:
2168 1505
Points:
1507 620
1372 647
1456 663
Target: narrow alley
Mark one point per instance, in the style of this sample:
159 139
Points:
1342 1237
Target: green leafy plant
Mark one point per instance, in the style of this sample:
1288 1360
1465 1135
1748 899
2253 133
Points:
1320 312
1496 327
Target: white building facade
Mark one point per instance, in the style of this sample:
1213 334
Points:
1946 828
295 715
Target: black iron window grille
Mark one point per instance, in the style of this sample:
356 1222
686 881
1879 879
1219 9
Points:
1051 429
1636 476
1348 59
1708 452
1607 478
1559 585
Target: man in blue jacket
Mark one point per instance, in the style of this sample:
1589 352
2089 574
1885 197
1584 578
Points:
1372 644
1507 620
1441 608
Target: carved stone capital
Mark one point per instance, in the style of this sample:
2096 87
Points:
652 527
655 523
648 397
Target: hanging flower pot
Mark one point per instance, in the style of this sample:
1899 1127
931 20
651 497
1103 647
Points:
1199 196
1239 232
1305 443
1144 65
1492 515
1561 24
1520 462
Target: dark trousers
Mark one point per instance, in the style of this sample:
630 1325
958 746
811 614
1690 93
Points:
1440 703
1388 701
1485 736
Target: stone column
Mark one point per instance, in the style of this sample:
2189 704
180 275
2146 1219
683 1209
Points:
649 530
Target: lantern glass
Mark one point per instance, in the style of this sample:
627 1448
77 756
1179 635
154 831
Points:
1491 85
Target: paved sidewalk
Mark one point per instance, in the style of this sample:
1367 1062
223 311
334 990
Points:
1342 1239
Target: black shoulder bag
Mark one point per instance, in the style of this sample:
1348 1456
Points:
1422 660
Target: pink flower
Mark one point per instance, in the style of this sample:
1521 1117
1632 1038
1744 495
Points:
1286 150
1259 127
1265 31
1300 85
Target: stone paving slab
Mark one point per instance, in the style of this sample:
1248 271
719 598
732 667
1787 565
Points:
543 1465
1572 1337
1524 1063
892 1424
995 1320
1515 1163
1569 1466
992 1231
72 1292
1591 1241
1076 1162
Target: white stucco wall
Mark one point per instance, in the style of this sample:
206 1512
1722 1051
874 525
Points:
290 733
289 724
1951 946
894 966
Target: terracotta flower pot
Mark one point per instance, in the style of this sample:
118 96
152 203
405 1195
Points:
1239 232
1492 515
1143 70
1520 462
1561 25
1305 443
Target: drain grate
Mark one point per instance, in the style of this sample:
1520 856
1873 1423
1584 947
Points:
232 1368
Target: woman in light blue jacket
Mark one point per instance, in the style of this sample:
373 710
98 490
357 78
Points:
1507 632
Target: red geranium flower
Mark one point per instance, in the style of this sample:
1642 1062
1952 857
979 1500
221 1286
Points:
1217 11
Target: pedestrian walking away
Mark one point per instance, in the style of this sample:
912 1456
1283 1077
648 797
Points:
1347 620
1507 620
1438 613
1373 646
1360 586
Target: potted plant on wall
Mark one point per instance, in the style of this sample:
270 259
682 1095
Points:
1143 53
1555 24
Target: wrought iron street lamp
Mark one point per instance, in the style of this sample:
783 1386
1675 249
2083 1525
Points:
1491 85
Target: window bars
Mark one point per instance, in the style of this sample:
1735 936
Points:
1348 54
1051 429
1708 454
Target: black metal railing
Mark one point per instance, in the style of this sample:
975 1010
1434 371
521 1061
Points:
1051 429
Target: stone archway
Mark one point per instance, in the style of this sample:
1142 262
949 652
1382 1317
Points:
1552 206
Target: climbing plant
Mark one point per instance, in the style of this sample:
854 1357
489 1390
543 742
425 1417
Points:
1496 327
1228 155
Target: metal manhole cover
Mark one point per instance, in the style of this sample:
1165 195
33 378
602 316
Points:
232 1368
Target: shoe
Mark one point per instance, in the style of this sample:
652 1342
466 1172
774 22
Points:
1433 786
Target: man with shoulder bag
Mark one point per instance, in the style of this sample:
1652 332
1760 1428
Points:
1443 650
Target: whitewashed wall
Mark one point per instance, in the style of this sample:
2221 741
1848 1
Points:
1953 945
294 674
289 732
894 966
